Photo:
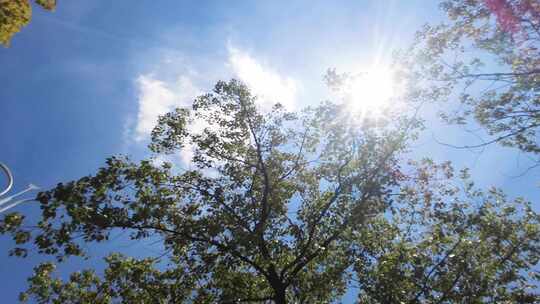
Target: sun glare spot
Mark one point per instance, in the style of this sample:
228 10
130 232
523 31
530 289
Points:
371 92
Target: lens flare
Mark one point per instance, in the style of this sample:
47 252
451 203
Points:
370 93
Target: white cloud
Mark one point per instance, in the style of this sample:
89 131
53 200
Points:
157 97
266 83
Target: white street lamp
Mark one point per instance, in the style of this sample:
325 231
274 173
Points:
9 176
5 202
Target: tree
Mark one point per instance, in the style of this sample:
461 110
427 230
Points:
16 14
286 208
486 57
447 242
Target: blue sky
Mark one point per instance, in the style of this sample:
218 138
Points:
88 80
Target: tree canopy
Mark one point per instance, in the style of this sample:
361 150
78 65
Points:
486 57
302 207
16 14
283 207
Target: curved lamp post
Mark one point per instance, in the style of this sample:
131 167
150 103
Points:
8 202
9 176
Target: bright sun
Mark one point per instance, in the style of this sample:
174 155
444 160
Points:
370 92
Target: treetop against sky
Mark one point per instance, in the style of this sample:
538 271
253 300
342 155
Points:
331 168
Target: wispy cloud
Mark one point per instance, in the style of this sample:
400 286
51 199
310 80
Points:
265 82
157 97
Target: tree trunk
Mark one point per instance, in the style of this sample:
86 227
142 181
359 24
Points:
280 296
280 292
280 289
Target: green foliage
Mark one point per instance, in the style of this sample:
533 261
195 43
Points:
446 242
16 14
47 4
288 207
486 57
134 281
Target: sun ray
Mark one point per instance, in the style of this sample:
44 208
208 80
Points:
371 92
